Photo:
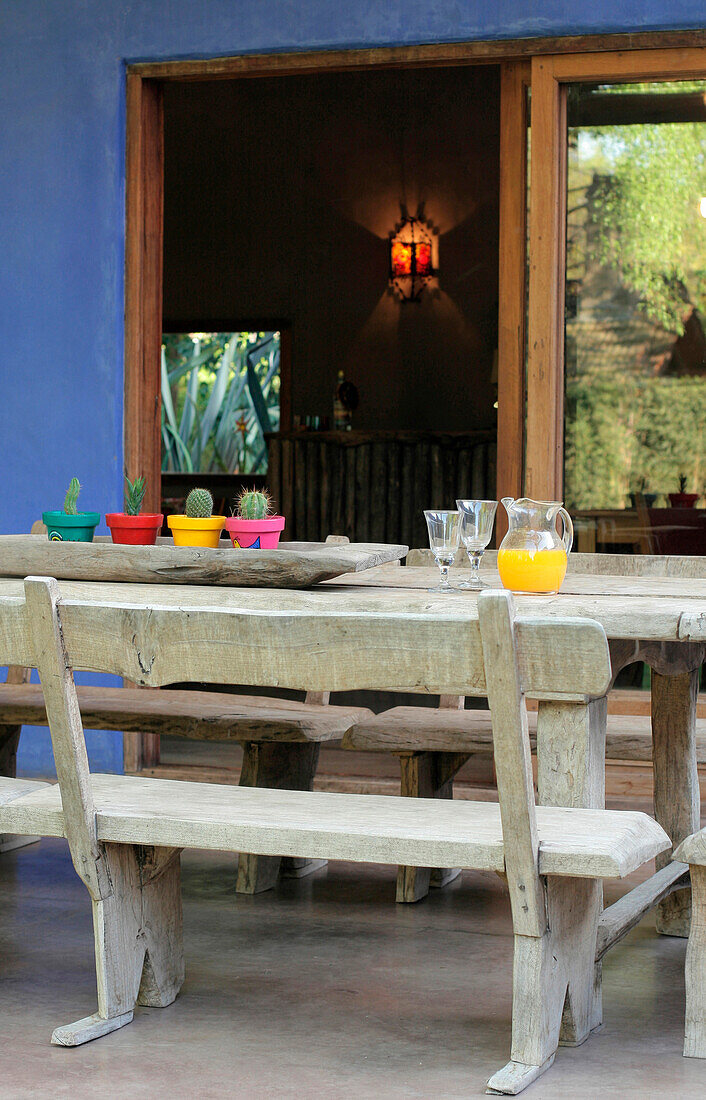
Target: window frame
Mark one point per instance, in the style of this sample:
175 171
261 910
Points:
544 456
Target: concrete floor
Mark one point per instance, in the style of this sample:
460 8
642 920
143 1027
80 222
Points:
324 988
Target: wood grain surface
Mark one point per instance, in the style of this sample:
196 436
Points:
292 565
198 715
422 832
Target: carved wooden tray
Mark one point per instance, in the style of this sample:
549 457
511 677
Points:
292 565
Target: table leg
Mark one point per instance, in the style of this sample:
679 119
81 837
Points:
571 772
571 753
9 742
283 766
676 780
426 775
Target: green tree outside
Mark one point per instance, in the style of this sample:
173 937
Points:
636 254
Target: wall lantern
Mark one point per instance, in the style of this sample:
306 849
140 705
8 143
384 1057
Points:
413 258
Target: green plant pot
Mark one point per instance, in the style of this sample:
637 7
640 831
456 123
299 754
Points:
63 528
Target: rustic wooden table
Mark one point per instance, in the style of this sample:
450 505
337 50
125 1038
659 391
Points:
659 620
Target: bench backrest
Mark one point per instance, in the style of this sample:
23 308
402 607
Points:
565 658
284 639
513 757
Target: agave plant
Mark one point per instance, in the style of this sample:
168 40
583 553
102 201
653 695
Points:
134 493
220 394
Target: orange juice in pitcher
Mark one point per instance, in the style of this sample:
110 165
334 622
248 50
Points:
532 556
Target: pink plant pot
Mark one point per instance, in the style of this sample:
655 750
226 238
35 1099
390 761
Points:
255 534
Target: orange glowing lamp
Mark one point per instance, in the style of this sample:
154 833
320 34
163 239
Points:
411 259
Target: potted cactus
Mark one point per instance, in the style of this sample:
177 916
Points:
71 525
682 499
133 526
254 526
198 526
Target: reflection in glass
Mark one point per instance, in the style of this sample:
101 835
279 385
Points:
635 332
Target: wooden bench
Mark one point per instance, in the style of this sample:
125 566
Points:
693 851
125 832
424 729
281 738
434 744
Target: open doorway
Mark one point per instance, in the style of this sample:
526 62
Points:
280 197
270 202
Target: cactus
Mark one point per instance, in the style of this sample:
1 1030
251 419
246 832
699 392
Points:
254 505
134 495
199 504
71 497
683 482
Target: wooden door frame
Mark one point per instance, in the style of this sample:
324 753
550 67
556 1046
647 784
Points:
144 202
545 359
515 79
144 198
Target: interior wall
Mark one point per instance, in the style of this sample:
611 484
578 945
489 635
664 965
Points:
279 198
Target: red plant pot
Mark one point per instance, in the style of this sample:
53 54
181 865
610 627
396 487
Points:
139 530
255 534
683 500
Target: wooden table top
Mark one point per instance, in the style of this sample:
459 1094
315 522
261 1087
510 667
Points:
646 608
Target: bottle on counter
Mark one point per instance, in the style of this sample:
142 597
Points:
345 400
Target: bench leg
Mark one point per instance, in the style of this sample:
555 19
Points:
284 766
676 781
295 867
695 1029
426 775
9 741
137 934
571 772
553 979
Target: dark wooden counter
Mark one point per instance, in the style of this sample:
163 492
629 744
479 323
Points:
374 486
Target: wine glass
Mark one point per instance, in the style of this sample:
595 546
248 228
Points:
444 530
477 519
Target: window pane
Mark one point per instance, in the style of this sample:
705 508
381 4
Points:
635 339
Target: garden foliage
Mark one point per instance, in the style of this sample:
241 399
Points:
220 394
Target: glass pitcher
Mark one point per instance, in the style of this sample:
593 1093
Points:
532 556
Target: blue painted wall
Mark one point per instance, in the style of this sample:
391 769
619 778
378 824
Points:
62 120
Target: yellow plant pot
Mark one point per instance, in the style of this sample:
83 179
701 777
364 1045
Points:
196 532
